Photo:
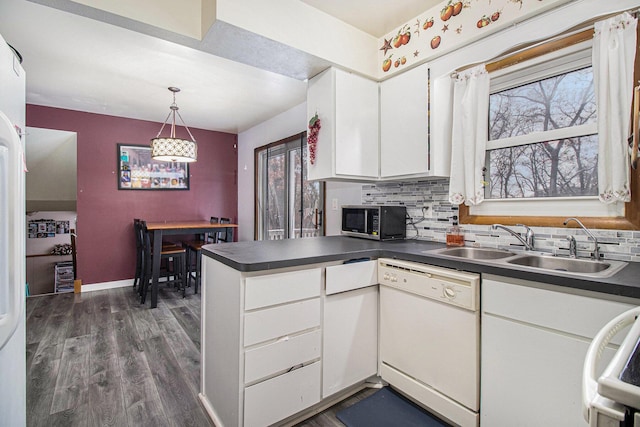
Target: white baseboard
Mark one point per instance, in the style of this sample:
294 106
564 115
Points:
107 285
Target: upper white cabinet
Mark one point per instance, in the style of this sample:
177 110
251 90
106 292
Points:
375 131
347 105
404 124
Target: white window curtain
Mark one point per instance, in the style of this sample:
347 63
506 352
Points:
469 136
614 49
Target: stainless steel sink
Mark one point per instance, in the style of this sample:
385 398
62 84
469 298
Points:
473 253
569 265
535 261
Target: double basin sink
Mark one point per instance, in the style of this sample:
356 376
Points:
535 261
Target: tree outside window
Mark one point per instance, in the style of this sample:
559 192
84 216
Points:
533 164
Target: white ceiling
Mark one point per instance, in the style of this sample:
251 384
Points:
376 17
79 63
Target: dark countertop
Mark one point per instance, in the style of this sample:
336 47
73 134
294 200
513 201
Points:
268 255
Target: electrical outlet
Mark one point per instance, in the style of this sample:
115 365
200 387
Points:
427 210
334 204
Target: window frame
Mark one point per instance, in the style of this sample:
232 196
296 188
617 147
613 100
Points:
630 220
571 58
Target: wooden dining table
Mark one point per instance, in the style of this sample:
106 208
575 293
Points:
164 228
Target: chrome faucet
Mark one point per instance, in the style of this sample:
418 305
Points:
596 250
528 241
573 248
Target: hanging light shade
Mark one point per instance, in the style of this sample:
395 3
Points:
172 149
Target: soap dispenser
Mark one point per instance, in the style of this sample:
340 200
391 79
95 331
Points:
455 234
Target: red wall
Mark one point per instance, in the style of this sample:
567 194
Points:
106 246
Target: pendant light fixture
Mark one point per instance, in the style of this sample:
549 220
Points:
172 149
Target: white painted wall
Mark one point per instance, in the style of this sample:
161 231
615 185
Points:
51 157
289 123
344 193
303 27
183 17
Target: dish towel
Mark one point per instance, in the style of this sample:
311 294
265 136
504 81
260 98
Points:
469 136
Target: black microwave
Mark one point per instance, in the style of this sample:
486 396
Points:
375 222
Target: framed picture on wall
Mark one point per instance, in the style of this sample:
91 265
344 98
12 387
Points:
138 171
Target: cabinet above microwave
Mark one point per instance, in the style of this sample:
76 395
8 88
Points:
352 109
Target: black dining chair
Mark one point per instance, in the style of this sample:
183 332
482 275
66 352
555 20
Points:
175 255
194 255
137 228
225 234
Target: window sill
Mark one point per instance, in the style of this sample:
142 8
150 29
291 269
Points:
613 223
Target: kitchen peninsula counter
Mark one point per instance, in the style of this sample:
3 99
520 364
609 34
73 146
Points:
289 328
254 256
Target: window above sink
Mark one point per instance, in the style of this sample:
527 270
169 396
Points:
542 152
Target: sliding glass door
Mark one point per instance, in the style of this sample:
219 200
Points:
288 206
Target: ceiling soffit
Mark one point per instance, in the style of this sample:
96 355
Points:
226 31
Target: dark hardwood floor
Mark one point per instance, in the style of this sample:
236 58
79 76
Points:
102 359
328 418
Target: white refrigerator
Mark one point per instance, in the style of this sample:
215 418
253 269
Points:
12 240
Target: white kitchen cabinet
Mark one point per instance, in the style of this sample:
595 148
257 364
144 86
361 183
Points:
261 343
350 328
534 341
347 105
282 321
281 355
279 288
374 131
350 276
404 124
273 400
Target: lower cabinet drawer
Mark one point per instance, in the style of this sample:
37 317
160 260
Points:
281 355
273 400
347 277
275 322
279 288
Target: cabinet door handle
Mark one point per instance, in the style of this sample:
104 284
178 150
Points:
294 367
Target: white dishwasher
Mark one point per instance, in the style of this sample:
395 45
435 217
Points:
430 337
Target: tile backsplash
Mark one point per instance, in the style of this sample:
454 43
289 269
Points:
431 213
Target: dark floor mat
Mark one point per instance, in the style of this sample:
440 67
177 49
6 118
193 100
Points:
387 408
